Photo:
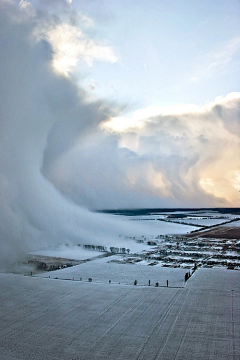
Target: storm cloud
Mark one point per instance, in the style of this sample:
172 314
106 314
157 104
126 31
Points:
43 114
63 156
180 156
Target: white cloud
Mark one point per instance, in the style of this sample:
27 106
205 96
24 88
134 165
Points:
195 149
27 7
142 116
64 29
39 109
70 45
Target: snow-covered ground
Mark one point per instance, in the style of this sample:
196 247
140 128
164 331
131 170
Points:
72 320
233 224
156 227
102 270
76 253
202 222
216 280
207 218
60 315
147 217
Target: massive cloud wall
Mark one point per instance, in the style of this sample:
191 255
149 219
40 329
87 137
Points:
193 151
62 155
184 157
42 115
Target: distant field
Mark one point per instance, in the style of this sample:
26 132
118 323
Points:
101 271
150 211
202 222
225 232
155 227
234 224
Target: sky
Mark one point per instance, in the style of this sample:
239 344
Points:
169 52
114 104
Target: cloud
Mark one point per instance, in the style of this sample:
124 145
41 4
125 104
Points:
192 152
36 106
70 45
66 31
59 157
27 7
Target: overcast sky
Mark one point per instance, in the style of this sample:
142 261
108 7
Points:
115 104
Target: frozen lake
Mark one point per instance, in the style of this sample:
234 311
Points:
49 319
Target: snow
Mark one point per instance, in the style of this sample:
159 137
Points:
60 315
68 320
147 217
156 227
134 246
215 279
233 224
76 253
202 222
102 270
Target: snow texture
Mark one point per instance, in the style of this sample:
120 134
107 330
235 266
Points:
233 224
202 222
72 320
102 271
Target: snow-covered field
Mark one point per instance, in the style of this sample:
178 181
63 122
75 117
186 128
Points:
72 320
202 222
203 219
233 224
216 280
60 315
75 252
156 227
102 271
147 217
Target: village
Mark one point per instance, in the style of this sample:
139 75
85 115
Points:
175 251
